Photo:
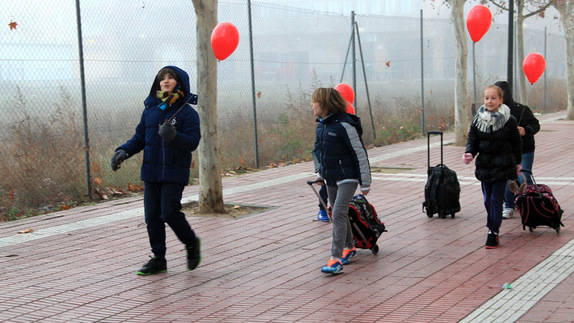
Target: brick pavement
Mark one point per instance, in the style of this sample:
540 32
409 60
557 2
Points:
79 265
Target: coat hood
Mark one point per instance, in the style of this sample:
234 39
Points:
183 82
507 93
351 119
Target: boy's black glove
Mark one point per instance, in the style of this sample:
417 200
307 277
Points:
167 131
119 156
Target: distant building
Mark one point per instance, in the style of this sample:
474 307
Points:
361 7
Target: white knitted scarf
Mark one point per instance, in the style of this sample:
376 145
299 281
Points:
484 119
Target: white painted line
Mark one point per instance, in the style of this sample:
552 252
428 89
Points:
106 219
463 180
540 180
527 290
408 151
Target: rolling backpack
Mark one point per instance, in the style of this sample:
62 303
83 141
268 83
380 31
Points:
538 206
365 224
442 189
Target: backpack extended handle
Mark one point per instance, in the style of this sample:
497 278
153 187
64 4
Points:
323 203
428 146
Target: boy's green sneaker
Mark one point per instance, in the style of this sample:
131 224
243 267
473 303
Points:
153 266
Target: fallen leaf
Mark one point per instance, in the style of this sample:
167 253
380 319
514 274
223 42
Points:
258 94
26 231
192 164
98 181
12 25
236 206
388 63
96 167
134 188
65 207
11 194
102 195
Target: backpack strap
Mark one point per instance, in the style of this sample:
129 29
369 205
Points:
176 112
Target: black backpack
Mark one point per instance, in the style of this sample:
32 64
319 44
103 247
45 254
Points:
442 190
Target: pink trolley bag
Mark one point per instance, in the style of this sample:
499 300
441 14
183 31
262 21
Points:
538 206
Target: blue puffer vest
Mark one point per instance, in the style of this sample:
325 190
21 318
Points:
166 162
335 158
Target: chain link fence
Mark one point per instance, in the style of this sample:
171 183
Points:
125 43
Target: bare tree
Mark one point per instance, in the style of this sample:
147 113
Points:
210 192
535 7
566 9
462 112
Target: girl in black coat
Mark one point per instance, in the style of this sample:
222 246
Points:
494 138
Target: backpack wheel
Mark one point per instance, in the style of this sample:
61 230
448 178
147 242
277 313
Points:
375 249
452 215
530 229
558 229
429 215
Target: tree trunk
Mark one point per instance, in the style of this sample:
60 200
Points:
567 19
461 99
521 96
210 192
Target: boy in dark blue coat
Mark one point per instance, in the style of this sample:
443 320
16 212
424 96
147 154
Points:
167 133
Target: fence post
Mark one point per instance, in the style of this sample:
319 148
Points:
256 144
422 80
83 90
510 53
546 57
366 83
354 55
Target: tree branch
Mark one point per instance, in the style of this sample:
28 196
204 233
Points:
498 5
544 7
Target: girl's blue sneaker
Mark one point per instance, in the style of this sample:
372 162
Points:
334 266
347 255
322 216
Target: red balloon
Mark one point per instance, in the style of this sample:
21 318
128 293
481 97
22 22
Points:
478 21
224 40
533 66
346 92
350 108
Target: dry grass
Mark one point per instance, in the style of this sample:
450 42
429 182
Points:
43 158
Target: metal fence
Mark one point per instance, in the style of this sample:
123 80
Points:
125 43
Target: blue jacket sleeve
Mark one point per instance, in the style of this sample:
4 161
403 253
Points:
137 142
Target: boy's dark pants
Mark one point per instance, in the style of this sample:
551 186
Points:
324 197
162 203
493 197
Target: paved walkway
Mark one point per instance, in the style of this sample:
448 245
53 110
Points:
79 265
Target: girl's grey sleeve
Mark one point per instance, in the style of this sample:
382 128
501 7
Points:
361 153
